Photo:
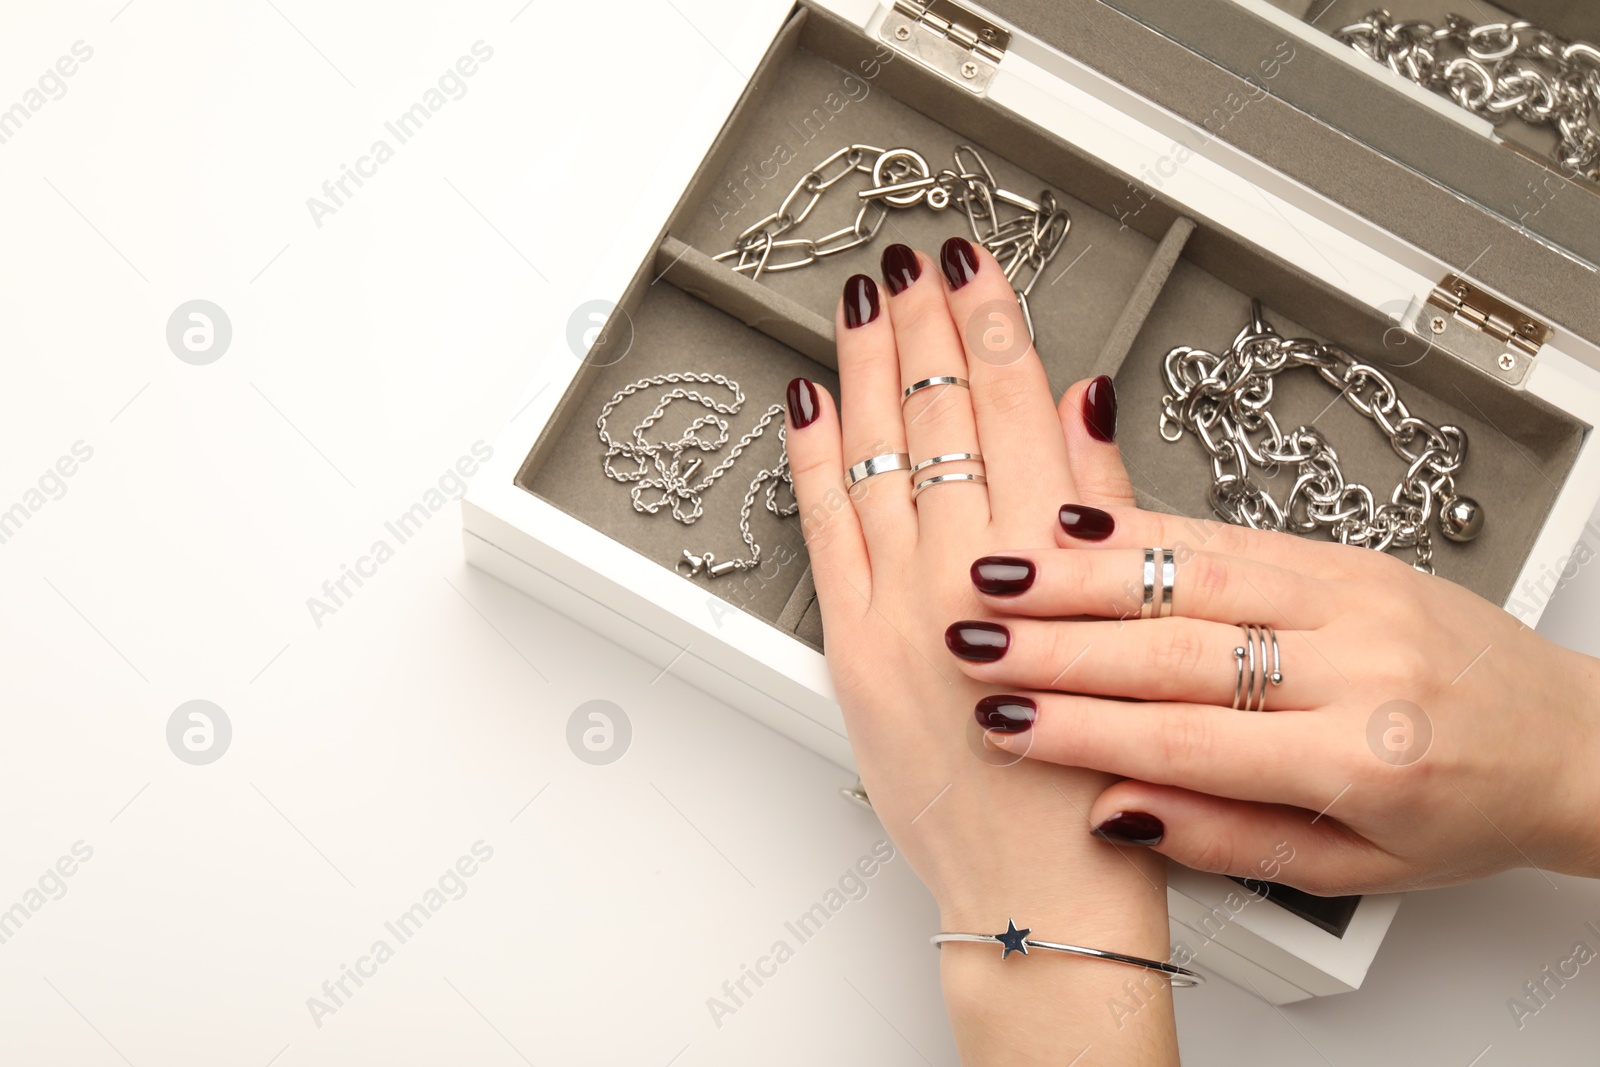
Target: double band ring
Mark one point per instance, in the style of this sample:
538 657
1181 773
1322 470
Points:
876 465
929 383
1158 583
948 457
1250 688
943 479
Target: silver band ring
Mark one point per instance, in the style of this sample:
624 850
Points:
929 383
948 457
1250 687
876 465
941 479
1157 602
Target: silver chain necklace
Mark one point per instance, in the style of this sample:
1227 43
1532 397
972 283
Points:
1024 244
1497 69
1223 400
663 474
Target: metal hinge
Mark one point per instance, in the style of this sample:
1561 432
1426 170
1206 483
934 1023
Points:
946 37
1480 329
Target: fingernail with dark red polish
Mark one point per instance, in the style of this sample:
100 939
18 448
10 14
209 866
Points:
803 406
1100 409
1002 575
860 300
900 268
978 642
1131 828
1086 523
1007 715
959 261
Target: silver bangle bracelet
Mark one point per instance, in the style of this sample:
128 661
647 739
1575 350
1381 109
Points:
1014 940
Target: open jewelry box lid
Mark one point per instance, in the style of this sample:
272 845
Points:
1350 130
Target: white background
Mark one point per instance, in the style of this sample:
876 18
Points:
371 751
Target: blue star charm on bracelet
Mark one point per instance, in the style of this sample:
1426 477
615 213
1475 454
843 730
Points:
1015 940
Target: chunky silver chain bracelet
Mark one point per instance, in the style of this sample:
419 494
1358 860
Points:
1497 69
1224 399
665 474
1023 244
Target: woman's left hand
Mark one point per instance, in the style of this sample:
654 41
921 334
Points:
1421 736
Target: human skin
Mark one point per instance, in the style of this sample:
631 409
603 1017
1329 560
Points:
1421 736
994 837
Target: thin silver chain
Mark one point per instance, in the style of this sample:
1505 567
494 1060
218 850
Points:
1024 244
663 473
1223 400
1497 69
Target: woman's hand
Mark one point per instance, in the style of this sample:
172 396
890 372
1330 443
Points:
995 838
1420 737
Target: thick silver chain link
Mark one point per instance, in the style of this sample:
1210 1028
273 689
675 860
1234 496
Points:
1497 69
1223 400
1024 244
663 473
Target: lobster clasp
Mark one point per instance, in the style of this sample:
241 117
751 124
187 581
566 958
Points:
696 564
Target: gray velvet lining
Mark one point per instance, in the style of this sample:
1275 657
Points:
1116 300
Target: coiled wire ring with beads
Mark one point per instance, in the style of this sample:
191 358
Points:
1223 399
664 472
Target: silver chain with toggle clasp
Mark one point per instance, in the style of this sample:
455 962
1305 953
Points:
1223 400
1023 244
1497 69
663 473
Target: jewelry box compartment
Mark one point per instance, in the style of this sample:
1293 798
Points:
1134 279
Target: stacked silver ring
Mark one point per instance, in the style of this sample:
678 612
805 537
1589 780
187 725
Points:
1250 689
943 479
1158 583
930 383
876 465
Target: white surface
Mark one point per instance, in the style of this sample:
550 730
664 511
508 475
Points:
371 752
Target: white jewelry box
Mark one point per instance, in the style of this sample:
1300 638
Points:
1182 219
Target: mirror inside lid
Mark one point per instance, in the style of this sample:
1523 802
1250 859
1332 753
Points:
1496 104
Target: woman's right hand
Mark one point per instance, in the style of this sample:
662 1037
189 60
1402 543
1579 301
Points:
1421 736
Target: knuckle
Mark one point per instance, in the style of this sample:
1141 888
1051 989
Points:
1187 741
1179 655
1213 853
1212 582
917 311
1009 395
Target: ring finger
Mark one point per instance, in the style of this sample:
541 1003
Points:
1161 659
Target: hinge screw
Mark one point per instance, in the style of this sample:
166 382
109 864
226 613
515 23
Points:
1507 361
901 33
1437 324
969 69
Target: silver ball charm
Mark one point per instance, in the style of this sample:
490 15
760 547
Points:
1461 518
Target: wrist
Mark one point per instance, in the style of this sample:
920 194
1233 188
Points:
1067 886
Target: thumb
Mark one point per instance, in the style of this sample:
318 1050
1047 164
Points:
1241 839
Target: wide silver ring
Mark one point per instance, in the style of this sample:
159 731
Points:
1250 686
941 479
929 383
1158 583
876 465
948 457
